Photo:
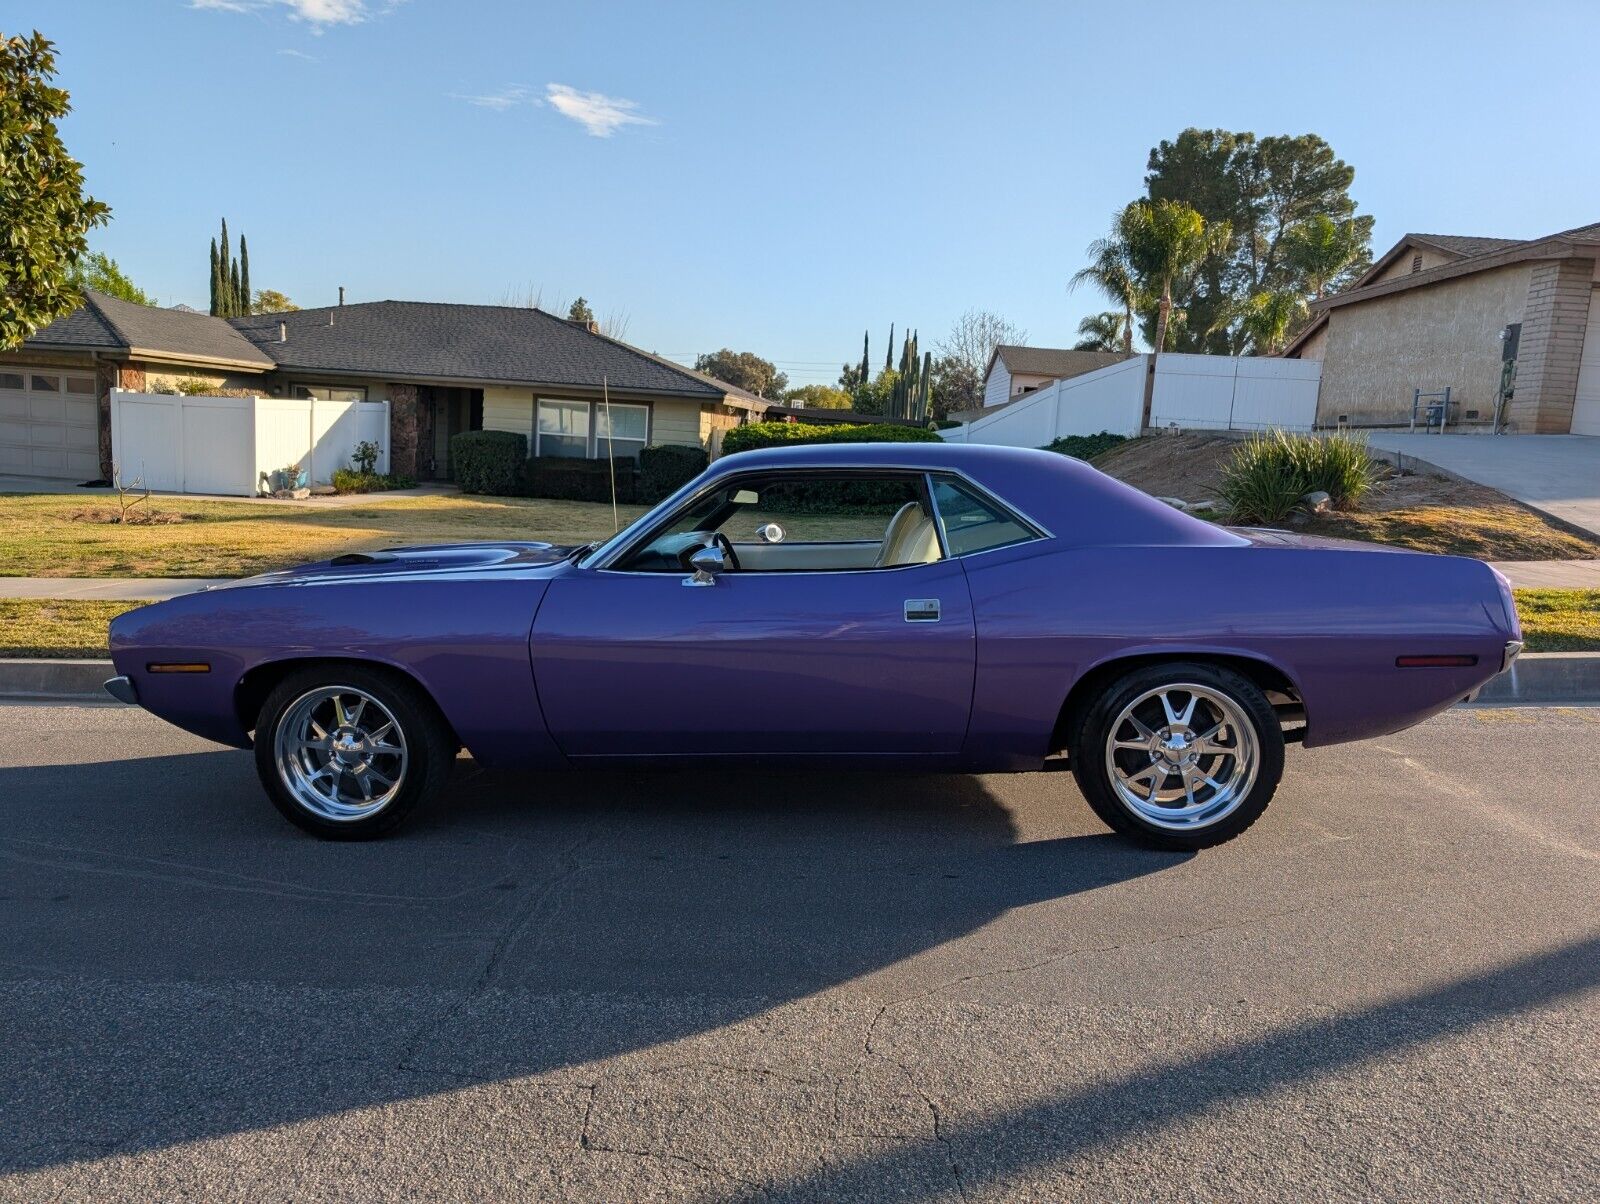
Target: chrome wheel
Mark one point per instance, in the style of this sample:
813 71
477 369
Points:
340 753
1182 756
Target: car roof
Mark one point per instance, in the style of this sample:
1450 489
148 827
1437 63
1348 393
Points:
1075 502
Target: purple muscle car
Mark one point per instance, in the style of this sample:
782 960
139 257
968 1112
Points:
972 609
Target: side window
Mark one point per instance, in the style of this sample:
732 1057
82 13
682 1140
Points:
973 522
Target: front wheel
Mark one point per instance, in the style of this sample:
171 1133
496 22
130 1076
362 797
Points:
1180 756
346 751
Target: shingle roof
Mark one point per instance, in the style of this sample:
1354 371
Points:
410 339
1463 244
1059 362
110 322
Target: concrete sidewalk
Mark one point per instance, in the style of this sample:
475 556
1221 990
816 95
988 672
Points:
1551 574
1558 475
11 483
108 589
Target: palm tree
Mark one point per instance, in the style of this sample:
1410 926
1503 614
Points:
1167 242
1319 249
1268 318
1111 271
1103 332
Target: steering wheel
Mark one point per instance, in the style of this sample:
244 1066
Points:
726 544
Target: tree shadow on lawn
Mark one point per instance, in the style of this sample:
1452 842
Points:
178 963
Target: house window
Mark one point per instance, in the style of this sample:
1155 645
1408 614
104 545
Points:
333 392
562 429
626 430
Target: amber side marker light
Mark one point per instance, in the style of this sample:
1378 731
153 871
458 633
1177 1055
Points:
1435 662
178 667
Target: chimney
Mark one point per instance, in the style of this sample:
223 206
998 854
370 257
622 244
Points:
283 332
341 294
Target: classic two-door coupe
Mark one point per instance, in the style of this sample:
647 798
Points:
964 608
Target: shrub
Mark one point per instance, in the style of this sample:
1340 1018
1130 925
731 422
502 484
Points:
365 457
1268 475
664 469
488 461
578 480
787 434
353 480
1085 447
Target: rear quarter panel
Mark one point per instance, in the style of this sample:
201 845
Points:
1331 620
465 641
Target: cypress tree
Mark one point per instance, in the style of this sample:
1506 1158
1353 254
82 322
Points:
233 291
226 256
861 385
244 277
888 352
216 293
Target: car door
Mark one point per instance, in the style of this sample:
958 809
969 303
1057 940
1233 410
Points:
875 661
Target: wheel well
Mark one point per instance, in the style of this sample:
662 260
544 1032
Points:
1268 678
260 681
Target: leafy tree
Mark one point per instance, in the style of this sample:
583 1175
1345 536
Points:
1269 317
580 312
819 397
1324 253
1263 189
98 271
1111 272
1109 331
746 370
955 386
271 301
1167 243
45 216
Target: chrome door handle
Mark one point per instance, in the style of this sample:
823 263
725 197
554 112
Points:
922 610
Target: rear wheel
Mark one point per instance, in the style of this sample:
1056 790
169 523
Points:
1180 756
346 752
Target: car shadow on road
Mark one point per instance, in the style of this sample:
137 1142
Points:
178 963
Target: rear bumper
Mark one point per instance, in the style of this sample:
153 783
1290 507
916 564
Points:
1508 656
122 689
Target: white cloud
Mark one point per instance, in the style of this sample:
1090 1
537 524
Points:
300 54
502 98
319 14
600 115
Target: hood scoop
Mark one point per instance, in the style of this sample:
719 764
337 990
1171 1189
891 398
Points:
351 558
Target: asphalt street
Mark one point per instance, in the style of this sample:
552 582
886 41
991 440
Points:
823 986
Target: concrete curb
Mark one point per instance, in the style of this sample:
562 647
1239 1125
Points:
1536 679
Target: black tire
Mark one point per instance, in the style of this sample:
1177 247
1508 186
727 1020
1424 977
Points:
430 747
1094 731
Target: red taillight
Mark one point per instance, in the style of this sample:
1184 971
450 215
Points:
1435 662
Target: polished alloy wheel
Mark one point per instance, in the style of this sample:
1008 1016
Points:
340 753
1182 756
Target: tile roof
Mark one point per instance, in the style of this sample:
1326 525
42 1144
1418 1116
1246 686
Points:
410 339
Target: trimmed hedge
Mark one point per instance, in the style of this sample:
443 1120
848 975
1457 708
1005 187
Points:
348 480
791 434
488 461
664 469
574 480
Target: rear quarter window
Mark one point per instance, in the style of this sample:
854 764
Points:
973 522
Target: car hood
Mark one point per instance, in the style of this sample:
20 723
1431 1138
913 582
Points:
409 563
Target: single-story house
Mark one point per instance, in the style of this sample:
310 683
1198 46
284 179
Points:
443 369
1015 371
819 416
1441 311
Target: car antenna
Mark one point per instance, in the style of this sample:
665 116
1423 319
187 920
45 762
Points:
611 455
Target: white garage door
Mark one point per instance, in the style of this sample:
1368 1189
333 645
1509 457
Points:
1586 414
47 424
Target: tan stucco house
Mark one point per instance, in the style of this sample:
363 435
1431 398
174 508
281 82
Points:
1441 311
443 368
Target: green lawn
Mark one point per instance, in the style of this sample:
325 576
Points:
1553 620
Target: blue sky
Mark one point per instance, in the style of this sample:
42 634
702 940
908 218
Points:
773 177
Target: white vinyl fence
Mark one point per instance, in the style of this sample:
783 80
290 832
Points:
1193 392
234 445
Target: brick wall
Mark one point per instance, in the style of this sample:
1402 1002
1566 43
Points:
1552 343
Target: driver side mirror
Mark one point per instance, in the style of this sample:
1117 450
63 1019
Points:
706 563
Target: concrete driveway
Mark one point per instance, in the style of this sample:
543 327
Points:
1557 474
794 987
